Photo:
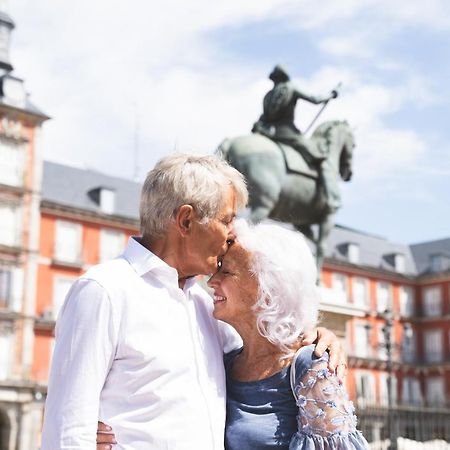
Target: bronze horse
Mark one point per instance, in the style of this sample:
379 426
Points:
284 187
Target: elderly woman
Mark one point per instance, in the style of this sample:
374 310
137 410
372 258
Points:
277 397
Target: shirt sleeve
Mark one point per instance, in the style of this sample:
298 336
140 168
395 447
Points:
231 340
86 339
326 416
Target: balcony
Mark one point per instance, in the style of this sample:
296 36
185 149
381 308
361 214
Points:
371 357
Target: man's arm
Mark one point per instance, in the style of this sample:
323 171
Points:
86 339
312 98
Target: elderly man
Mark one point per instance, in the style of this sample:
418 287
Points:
136 344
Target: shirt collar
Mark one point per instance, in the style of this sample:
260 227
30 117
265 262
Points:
143 260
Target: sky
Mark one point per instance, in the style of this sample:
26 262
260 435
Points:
127 82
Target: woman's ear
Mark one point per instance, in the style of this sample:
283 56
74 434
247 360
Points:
183 219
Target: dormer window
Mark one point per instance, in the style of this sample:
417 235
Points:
105 198
399 262
439 262
353 253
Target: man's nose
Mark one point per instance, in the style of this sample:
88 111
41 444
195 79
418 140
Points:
231 236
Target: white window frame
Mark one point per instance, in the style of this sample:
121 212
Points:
336 283
6 352
105 251
11 236
59 255
365 303
411 391
107 200
12 163
432 301
383 389
353 253
435 390
407 301
409 347
433 345
383 305
361 339
364 398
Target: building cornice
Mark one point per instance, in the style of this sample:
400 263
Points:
25 114
365 270
70 212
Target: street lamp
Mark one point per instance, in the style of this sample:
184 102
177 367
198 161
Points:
387 333
389 345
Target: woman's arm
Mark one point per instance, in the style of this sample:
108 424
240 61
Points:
105 437
326 416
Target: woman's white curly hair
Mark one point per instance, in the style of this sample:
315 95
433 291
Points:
288 298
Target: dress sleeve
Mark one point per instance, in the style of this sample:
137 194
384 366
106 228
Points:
326 416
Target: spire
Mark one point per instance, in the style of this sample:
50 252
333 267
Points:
6 26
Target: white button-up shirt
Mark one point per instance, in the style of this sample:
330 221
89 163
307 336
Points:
138 353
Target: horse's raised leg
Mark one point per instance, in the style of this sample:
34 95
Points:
324 230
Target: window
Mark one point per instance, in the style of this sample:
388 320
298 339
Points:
365 388
10 225
399 262
435 390
11 163
411 393
382 352
433 345
340 286
112 244
409 346
406 301
5 287
11 288
384 296
432 300
68 242
61 287
107 200
360 292
361 340
439 262
353 253
384 389
5 352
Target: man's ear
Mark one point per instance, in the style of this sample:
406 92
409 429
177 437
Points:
183 219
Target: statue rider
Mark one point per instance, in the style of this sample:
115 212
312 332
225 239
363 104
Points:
277 123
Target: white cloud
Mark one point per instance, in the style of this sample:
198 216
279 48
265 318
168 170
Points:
95 66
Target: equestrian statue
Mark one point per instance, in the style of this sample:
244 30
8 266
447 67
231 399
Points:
292 178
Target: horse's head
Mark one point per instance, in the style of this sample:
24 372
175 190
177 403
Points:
346 155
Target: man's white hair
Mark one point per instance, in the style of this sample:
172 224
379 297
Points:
288 298
201 181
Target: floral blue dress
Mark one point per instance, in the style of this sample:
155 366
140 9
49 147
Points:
265 414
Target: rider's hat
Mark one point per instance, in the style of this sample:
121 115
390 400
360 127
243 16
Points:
279 74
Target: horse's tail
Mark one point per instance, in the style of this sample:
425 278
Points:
223 149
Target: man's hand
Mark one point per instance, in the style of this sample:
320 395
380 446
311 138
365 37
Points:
105 437
327 340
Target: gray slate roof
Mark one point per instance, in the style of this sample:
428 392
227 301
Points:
422 253
69 186
374 251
